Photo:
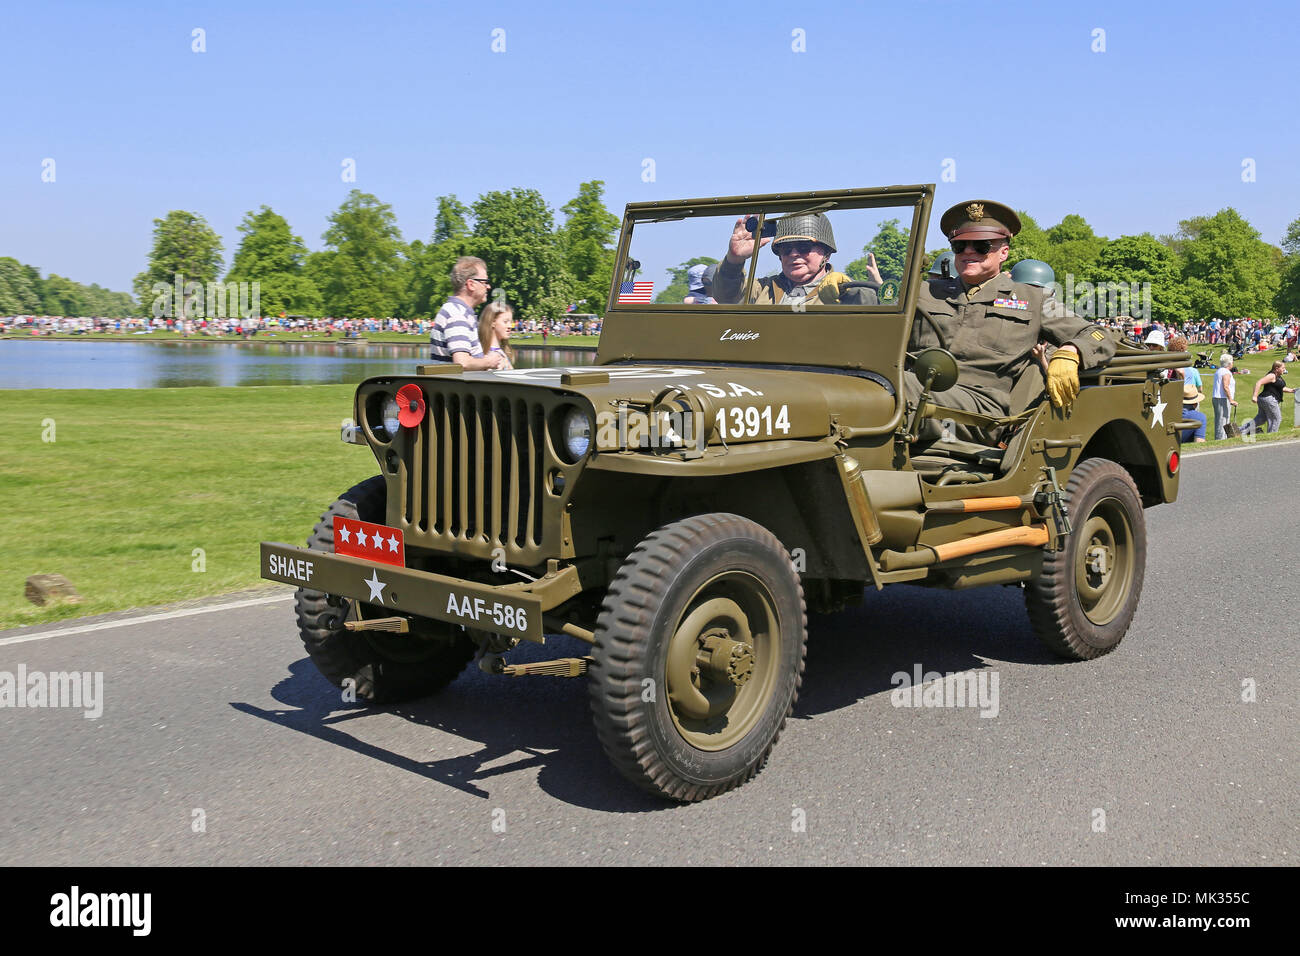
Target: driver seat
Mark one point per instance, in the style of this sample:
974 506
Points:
940 454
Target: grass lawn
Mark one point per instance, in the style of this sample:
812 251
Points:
135 480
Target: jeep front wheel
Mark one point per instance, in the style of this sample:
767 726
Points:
1083 602
376 666
698 657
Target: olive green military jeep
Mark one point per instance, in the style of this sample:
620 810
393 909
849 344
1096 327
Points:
719 470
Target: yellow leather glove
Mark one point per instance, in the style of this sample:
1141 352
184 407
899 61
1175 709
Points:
1063 378
828 290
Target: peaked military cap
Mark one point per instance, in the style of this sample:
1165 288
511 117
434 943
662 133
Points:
979 219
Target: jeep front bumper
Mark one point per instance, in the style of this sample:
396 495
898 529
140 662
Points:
514 610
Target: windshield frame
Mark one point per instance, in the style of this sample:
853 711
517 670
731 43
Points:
829 335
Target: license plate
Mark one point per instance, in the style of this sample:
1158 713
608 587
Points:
364 539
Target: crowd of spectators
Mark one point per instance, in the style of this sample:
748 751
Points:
1243 336
270 326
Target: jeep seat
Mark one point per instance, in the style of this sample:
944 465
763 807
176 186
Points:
937 454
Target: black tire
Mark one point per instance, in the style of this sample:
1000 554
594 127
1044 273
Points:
718 578
381 667
1082 604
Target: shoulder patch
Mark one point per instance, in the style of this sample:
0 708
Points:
1098 334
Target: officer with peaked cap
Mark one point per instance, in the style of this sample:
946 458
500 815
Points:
804 243
991 323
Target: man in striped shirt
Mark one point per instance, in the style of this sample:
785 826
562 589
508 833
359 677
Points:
455 330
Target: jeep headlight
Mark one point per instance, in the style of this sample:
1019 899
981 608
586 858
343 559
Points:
576 432
686 417
392 416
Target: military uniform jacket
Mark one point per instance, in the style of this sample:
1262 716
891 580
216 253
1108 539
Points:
992 329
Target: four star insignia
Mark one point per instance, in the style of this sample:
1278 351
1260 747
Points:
376 540
1158 413
376 586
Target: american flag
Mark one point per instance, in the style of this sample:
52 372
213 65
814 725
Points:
631 292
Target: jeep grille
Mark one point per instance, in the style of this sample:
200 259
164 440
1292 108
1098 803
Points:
473 476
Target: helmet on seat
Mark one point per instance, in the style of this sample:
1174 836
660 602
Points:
1033 272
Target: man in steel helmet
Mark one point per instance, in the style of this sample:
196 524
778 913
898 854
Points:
943 267
991 323
804 243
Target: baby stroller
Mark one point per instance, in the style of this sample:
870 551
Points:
1203 361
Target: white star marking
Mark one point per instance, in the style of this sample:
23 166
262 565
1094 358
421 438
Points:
392 543
376 586
345 534
378 539
1158 413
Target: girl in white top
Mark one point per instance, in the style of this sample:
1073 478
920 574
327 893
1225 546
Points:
494 325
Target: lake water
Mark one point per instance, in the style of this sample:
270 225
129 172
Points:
126 364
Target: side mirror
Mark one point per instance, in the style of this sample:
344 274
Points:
936 369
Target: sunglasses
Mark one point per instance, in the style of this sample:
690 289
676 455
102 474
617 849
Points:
982 246
477 279
795 248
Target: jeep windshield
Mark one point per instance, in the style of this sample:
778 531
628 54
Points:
807 278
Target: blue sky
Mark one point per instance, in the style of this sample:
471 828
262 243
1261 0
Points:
1152 130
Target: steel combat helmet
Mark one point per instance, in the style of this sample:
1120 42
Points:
942 266
1033 272
813 226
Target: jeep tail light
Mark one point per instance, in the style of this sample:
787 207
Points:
1173 462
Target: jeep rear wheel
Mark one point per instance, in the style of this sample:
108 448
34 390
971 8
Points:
698 657
1083 602
378 666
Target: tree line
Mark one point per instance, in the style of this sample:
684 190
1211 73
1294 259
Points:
368 270
24 292
1211 266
